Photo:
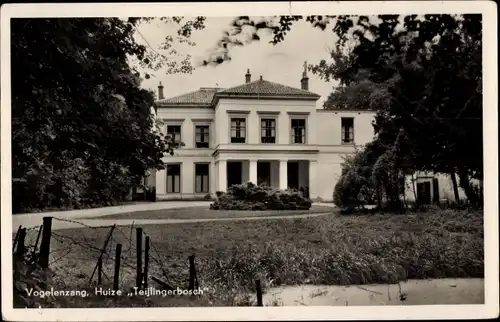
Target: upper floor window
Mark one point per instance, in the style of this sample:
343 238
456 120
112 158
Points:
268 131
347 130
202 136
238 130
174 132
298 131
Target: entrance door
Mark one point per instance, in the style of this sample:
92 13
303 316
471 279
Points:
424 193
293 175
264 173
234 172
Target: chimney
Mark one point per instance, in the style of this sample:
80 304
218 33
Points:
160 92
304 82
248 76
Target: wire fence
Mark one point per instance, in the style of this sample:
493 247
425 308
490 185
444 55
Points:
97 246
109 254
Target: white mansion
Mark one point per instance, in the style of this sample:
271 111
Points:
262 132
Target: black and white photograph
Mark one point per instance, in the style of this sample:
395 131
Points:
249 161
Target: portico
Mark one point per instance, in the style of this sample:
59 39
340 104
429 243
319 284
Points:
278 174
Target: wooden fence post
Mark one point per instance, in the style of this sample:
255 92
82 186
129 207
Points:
103 250
21 249
193 279
36 242
116 277
146 262
138 277
259 292
16 238
99 271
45 245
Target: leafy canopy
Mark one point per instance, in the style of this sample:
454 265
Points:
422 75
82 128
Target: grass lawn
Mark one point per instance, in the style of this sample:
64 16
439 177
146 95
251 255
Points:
205 213
329 250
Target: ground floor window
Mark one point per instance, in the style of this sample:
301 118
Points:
264 173
293 175
173 178
202 177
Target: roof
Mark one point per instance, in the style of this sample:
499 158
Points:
207 96
201 97
266 88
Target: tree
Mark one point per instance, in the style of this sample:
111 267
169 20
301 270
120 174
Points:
356 186
421 74
82 128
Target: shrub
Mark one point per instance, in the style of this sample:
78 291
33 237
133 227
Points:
29 277
207 197
151 193
249 196
351 193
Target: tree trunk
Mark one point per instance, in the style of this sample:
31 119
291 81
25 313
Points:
379 197
455 185
467 186
413 180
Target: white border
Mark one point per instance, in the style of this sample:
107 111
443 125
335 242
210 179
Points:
487 8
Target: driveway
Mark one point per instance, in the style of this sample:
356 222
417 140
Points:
35 219
74 218
63 223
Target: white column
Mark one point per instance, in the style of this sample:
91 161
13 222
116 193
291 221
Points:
212 178
222 172
252 171
283 174
313 178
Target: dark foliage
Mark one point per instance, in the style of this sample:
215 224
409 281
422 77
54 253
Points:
30 277
83 133
420 74
249 196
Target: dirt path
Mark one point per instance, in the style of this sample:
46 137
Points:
64 223
35 219
414 292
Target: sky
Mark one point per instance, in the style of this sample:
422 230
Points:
282 63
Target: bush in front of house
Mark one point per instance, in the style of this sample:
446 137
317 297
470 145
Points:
249 196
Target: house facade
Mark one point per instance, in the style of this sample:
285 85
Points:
260 131
266 133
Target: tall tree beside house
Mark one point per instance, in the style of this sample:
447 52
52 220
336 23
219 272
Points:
431 79
421 74
82 128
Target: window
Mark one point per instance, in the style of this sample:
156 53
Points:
264 174
202 136
173 178
298 131
174 131
238 130
268 131
201 178
347 130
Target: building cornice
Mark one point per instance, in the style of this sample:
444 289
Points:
298 113
269 112
238 112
